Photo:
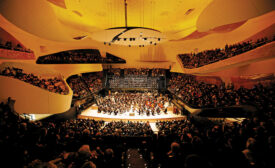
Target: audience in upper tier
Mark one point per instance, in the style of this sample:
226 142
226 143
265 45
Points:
113 71
143 103
200 94
158 72
79 57
94 81
10 46
80 90
136 72
51 84
195 60
86 84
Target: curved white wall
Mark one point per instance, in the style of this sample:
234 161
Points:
31 99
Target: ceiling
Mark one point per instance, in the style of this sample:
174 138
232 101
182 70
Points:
174 18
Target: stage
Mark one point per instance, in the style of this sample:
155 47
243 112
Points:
92 113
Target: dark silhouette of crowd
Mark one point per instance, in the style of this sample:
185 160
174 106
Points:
16 47
246 144
142 103
196 60
132 129
51 84
79 57
73 143
201 95
188 143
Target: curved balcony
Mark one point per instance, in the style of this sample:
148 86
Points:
31 99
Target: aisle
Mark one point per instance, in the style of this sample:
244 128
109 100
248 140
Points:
134 159
154 127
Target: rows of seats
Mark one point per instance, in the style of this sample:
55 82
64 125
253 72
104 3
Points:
86 84
11 46
79 88
51 84
94 81
201 95
185 143
196 60
136 72
79 57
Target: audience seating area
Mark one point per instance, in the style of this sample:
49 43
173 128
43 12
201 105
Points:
51 84
136 72
196 60
79 57
126 129
87 143
188 143
16 47
86 84
202 95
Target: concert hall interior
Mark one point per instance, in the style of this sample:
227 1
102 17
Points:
137 83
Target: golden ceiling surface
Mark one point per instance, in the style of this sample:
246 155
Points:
174 18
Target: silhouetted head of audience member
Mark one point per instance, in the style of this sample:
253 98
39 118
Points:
195 161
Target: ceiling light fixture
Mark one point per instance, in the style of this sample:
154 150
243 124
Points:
130 36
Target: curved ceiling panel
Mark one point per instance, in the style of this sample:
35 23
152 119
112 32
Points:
222 12
39 19
60 3
171 17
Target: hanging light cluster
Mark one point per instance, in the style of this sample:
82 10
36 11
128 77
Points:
130 36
